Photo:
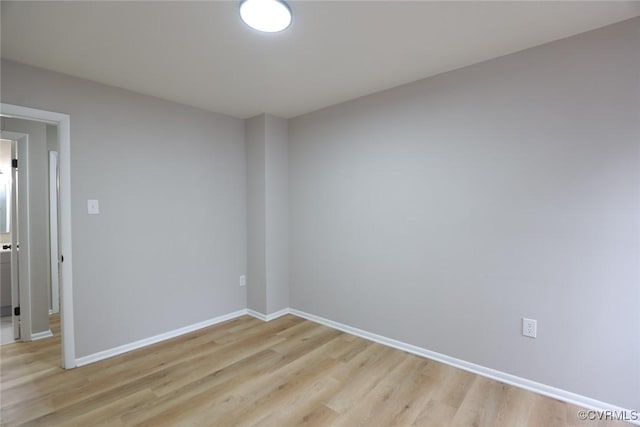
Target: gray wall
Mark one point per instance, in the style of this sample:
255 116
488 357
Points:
38 218
441 212
256 219
167 248
267 217
52 139
277 212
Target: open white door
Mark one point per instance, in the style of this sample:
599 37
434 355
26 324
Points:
15 288
20 258
53 231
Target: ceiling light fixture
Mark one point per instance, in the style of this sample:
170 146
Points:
269 16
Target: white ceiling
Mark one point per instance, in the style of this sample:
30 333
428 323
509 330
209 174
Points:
201 54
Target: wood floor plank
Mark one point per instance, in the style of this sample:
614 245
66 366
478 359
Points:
384 402
245 372
206 389
435 414
299 409
304 366
357 375
481 403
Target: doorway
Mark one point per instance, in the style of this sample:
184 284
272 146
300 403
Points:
64 256
16 324
30 272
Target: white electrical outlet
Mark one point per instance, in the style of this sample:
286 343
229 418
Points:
243 280
93 207
529 327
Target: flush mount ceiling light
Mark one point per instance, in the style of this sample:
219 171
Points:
269 16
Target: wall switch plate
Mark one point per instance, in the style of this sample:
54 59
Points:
93 208
243 280
529 327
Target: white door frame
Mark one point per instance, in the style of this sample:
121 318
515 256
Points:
63 122
20 234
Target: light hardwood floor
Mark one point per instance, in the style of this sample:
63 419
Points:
246 372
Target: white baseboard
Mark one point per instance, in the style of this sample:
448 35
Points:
268 317
546 390
41 335
81 361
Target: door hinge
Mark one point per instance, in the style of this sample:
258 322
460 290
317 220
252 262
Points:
16 311
61 258
14 163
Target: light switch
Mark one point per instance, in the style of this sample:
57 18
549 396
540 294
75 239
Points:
93 208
